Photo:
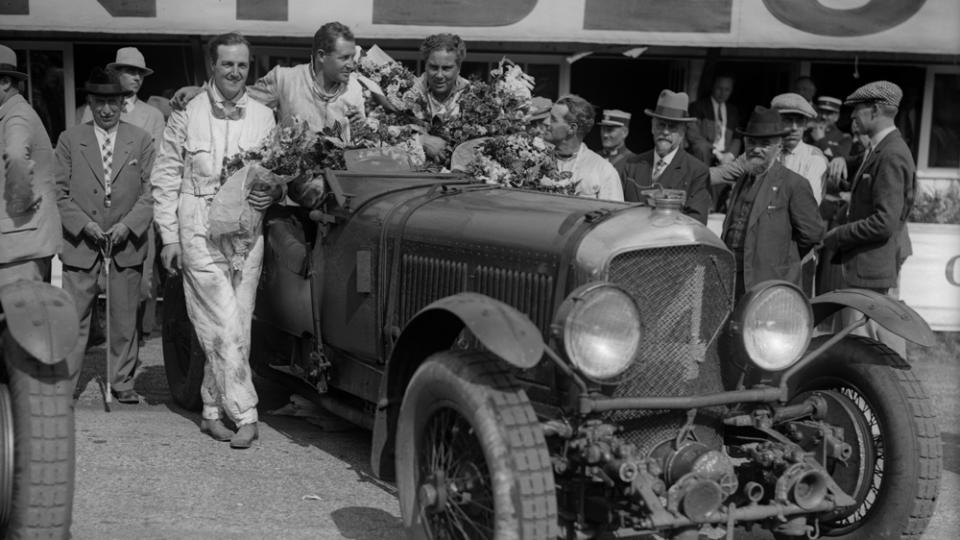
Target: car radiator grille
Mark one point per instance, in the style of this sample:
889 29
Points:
685 294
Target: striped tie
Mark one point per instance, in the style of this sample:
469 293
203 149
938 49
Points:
106 152
658 168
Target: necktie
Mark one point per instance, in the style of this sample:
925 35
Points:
719 139
658 168
106 152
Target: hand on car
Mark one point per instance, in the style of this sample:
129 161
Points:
183 96
170 258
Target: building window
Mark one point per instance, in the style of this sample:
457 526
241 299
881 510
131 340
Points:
945 122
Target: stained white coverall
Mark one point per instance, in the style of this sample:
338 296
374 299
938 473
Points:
219 299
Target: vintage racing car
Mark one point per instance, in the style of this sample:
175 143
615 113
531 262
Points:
538 366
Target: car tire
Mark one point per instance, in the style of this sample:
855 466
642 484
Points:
36 423
463 413
903 440
183 357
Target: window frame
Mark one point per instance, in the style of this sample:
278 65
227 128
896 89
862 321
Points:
924 170
69 80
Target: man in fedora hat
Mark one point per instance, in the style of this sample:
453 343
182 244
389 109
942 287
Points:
773 220
871 243
29 221
668 164
130 69
614 129
824 133
103 173
571 118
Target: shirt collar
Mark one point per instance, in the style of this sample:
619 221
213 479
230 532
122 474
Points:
218 98
667 159
103 133
130 102
879 136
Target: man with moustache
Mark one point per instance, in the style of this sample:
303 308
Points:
667 164
103 174
614 129
219 297
871 243
824 133
571 118
773 219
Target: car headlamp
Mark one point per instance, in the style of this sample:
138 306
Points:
600 329
776 323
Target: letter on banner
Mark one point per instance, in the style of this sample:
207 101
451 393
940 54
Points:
953 271
451 12
260 10
873 17
658 16
130 8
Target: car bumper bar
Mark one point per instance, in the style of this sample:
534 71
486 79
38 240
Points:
590 404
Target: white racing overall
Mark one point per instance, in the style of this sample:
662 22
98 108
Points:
219 298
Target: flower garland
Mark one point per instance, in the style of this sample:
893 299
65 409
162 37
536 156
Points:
520 160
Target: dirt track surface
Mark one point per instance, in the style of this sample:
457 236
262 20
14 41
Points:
146 472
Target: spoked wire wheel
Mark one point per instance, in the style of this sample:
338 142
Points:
472 461
6 455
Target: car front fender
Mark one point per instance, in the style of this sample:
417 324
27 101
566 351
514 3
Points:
501 329
894 315
41 318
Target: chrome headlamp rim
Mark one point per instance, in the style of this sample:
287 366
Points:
572 306
750 301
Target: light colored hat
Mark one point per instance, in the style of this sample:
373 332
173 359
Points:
615 118
793 103
8 63
130 57
672 106
884 92
827 103
539 108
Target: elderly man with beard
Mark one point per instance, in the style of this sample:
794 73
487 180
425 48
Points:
668 164
773 219
571 118
219 296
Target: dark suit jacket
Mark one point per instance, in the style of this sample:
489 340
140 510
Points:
684 172
784 224
870 242
79 175
704 129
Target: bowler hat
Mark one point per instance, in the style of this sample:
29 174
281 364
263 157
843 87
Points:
130 57
827 103
615 118
884 92
671 106
100 83
791 103
764 123
8 63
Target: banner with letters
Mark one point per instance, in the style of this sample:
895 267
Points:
905 26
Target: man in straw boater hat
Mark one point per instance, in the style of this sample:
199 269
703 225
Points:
30 234
871 242
773 219
668 164
103 173
614 129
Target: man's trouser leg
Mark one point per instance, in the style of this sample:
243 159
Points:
83 287
220 314
124 347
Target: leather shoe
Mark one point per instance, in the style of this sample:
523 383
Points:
126 396
245 436
216 429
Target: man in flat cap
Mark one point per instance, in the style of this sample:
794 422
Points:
29 221
824 134
773 219
668 164
103 173
870 243
614 129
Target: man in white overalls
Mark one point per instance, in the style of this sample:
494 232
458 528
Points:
217 123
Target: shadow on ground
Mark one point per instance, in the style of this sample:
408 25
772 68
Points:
362 523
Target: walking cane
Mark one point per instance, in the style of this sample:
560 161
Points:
106 249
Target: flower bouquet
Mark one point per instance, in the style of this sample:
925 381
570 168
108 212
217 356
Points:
522 161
